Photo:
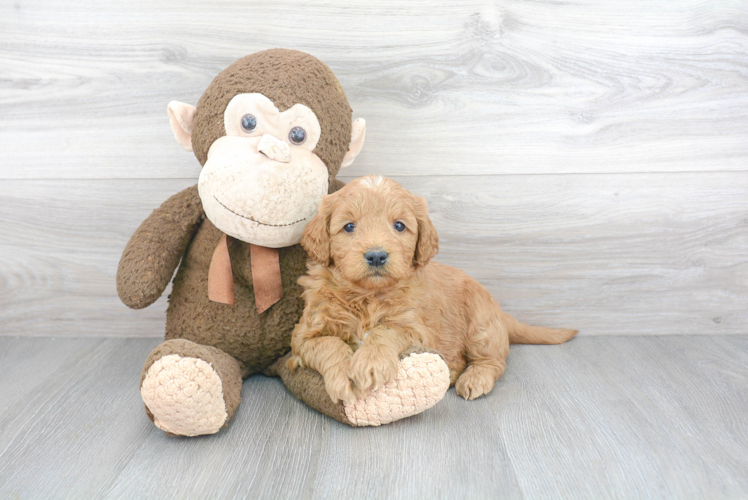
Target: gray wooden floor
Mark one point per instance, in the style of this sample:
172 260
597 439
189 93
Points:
600 417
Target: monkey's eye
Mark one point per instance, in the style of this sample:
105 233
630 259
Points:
348 228
249 123
297 135
399 226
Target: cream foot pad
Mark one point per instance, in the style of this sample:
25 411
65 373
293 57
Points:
185 396
421 382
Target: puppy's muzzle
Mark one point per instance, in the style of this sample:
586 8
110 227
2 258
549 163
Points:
376 257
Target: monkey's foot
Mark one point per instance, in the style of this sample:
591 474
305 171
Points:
190 389
421 382
185 396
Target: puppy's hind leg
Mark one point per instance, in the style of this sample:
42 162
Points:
486 351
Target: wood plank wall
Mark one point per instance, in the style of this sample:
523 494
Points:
587 161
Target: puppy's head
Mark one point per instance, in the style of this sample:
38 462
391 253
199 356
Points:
374 231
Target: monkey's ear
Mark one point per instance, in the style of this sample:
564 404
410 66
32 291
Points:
181 119
428 239
316 236
358 133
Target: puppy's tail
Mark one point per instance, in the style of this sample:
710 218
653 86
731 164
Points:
520 333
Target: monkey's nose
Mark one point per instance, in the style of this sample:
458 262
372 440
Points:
376 257
274 149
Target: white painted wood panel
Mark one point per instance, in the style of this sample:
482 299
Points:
619 254
469 87
586 161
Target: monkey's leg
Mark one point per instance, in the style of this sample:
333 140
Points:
421 382
190 389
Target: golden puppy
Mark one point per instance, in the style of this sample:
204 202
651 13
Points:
371 294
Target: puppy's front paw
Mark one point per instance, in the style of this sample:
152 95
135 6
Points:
339 386
373 366
294 362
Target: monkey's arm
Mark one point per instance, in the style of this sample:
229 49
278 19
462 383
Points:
155 249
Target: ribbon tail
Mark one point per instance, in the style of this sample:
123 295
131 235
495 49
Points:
266 277
220 276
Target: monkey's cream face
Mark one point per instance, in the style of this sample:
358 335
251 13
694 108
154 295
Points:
262 183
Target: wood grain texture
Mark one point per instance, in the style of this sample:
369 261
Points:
61 245
585 161
469 87
599 417
606 254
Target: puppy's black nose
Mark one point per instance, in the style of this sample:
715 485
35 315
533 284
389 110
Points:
376 257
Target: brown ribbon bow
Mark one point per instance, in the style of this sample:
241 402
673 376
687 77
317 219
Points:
266 275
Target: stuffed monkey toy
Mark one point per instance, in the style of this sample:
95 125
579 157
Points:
271 132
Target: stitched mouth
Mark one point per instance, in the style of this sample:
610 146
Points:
256 221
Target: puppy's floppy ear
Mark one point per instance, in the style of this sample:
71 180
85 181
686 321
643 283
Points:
316 236
428 240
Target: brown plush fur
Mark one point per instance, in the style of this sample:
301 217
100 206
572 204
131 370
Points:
153 252
286 77
179 231
359 318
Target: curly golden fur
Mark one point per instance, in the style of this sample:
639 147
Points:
359 316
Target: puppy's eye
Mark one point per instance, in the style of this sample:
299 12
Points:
249 123
348 228
297 135
399 226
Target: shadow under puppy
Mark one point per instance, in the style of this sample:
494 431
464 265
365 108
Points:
372 293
